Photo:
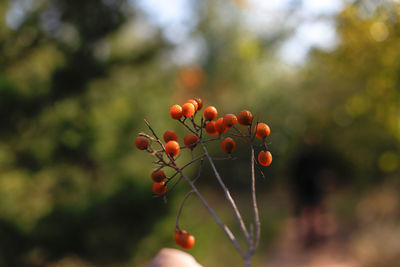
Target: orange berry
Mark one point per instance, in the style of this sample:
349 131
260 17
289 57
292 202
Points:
245 117
188 109
190 140
210 128
229 120
141 143
210 113
159 188
184 239
219 126
172 148
176 112
196 106
262 130
170 136
228 145
265 158
158 176
199 102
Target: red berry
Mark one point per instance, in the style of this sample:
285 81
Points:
190 140
245 117
210 128
219 126
195 104
188 109
265 158
176 112
199 102
228 145
184 239
172 148
210 113
229 120
158 176
170 136
159 188
141 143
262 130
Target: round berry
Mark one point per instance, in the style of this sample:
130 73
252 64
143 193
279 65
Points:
245 117
190 140
265 158
188 110
262 130
141 143
172 148
199 102
229 120
176 112
158 176
170 136
210 128
194 102
219 126
210 113
184 239
228 145
159 188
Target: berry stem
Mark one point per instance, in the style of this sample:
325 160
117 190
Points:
180 209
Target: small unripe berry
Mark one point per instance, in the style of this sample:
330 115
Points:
262 130
172 148
245 117
228 145
219 126
229 120
190 140
265 158
184 239
188 110
141 143
159 188
158 176
210 128
176 112
199 102
210 113
192 101
170 136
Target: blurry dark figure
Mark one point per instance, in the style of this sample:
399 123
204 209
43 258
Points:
313 176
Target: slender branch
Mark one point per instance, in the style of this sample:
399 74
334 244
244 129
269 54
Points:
228 196
184 124
254 199
200 157
180 209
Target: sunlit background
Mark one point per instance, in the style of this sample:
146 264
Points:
77 78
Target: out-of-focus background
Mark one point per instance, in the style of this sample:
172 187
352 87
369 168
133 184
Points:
77 78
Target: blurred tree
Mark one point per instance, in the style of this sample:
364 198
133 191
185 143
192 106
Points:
67 185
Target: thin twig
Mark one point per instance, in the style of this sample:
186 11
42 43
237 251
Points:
228 196
254 199
180 209
216 218
184 124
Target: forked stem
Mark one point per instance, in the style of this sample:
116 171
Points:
228 196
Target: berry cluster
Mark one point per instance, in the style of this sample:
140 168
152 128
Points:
213 126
